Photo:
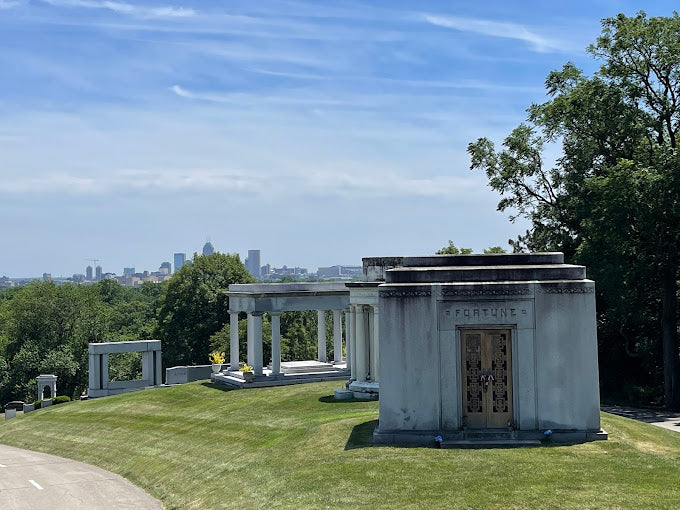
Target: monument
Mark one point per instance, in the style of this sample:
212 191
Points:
47 386
495 347
99 383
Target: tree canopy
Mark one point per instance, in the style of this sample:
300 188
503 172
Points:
611 200
195 306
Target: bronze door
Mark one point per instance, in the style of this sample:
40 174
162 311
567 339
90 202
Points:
487 378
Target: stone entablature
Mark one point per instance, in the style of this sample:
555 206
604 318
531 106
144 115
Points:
545 308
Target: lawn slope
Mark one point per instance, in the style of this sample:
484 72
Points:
199 446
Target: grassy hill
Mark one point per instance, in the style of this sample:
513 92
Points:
200 446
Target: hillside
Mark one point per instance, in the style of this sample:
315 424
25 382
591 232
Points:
201 446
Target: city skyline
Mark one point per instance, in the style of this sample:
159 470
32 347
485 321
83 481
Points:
319 133
88 271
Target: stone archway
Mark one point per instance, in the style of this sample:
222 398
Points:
47 386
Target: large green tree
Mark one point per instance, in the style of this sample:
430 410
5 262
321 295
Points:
195 306
612 198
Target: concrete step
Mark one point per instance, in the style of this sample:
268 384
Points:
490 443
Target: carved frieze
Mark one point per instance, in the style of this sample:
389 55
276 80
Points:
491 291
405 293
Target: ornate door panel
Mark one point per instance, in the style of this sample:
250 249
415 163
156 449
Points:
487 378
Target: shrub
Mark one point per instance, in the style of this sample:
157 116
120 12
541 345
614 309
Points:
37 404
61 399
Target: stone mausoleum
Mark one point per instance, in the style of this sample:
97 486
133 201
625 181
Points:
502 347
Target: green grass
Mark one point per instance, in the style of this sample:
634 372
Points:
199 446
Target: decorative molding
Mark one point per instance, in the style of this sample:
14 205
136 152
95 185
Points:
566 290
521 291
405 293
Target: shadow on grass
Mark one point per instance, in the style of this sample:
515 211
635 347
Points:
330 399
361 436
221 387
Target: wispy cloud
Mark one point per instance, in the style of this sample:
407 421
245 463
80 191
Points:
501 29
134 10
242 98
7 4
315 182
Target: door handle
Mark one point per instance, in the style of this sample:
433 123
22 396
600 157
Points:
486 378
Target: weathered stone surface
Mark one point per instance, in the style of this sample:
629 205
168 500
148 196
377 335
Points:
547 307
485 273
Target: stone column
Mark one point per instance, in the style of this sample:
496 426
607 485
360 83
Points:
348 337
337 336
93 373
105 371
352 344
257 343
375 359
249 335
158 368
360 344
233 340
276 342
147 367
321 335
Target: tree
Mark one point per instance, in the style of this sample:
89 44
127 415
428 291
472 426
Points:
451 249
612 200
46 328
195 305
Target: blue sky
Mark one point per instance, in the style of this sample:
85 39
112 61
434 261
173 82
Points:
317 132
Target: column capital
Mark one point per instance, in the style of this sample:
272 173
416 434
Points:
233 311
276 314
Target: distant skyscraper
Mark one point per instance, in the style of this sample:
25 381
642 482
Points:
47 277
180 259
88 273
166 265
253 263
208 248
128 271
98 273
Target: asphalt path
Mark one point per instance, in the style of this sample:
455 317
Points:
664 419
31 480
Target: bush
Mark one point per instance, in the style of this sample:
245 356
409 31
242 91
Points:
37 404
61 399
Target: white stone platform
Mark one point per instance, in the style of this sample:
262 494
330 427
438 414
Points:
294 372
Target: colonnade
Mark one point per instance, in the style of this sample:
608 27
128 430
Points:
254 339
363 335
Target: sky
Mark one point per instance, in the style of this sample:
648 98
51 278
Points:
316 132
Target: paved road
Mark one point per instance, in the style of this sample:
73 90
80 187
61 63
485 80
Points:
664 419
31 480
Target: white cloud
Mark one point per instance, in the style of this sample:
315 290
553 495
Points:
501 29
128 9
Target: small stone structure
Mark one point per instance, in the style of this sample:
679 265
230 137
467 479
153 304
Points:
185 374
480 346
47 381
99 384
